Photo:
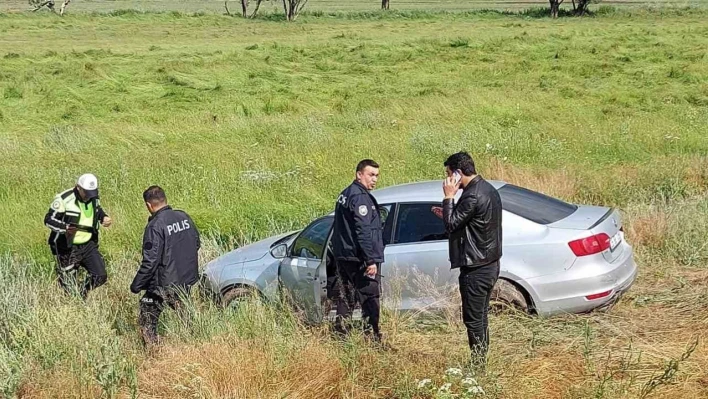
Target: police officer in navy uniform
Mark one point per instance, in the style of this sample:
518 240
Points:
357 245
170 265
74 218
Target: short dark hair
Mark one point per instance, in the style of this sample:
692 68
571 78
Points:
155 195
461 161
366 162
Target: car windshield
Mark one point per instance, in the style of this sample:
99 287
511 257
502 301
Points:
282 240
310 244
534 206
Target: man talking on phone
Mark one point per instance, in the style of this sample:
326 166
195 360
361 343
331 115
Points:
74 218
475 231
357 244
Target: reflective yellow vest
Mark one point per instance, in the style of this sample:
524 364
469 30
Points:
76 212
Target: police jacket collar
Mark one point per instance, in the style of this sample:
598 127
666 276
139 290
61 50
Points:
154 215
361 186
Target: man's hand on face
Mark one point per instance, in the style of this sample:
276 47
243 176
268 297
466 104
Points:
371 271
450 187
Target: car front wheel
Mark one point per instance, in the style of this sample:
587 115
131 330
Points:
239 295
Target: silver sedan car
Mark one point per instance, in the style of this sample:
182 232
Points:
557 257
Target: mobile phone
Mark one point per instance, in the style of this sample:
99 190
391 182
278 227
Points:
457 177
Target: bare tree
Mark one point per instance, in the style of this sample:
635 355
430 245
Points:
63 6
38 4
582 7
292 8
255 10
555 7
244 8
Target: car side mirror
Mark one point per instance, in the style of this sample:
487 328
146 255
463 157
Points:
279 251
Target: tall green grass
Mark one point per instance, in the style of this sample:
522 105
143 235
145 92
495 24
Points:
234 130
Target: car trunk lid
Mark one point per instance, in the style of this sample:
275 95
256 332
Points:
597 220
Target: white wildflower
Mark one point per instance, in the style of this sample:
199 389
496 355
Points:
424 383
454 372
445 388
262 176
469 381
476 390
267 176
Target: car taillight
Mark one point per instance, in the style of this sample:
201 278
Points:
598 296
590 245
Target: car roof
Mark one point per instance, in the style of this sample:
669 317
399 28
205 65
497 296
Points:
427 191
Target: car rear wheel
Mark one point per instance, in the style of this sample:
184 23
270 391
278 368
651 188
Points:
239 295
506 296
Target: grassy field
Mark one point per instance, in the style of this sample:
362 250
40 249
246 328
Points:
253 127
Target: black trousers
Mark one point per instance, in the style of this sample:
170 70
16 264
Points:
86 256
356 287
476 289
151 306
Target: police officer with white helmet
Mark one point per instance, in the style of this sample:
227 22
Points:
74 218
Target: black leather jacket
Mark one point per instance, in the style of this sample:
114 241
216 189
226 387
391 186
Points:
474 225
170 246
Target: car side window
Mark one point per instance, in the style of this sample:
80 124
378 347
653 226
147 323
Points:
418 223
387 220
311 242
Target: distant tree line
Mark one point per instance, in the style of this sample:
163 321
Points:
292 8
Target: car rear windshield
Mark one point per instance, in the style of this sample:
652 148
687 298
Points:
534 206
